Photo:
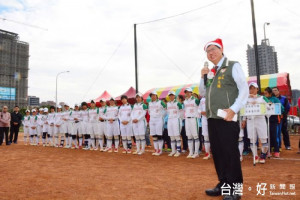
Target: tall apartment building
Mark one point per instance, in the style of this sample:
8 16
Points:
14 59
267 57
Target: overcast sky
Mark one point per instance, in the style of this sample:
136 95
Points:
93 39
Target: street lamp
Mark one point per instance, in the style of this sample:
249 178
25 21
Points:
266 23
56 88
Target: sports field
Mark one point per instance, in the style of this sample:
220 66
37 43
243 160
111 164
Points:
36 172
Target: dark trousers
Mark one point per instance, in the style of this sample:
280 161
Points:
14 132
274 142
223 137
4 130
201 138
285 133
166 138
246 141
184 139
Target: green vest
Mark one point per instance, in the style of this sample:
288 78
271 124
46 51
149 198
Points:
223 90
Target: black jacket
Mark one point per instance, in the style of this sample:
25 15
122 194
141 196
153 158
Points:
16 117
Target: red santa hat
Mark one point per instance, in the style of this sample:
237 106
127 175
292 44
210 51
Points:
217 42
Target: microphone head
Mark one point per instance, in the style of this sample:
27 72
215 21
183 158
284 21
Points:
206 64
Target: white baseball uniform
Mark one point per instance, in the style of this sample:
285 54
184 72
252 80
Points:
102 124
138 112
156 112
112 128
84 121
76 129
174 121
125 115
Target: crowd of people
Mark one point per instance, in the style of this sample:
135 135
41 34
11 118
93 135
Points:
178 125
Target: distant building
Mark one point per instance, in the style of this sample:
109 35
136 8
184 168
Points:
14 57
47 103
267 57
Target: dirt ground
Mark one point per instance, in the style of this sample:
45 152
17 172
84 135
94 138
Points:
36 172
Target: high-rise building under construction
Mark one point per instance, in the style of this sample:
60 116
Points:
14 57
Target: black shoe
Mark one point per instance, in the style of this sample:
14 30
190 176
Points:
9 143
232 197
214 191
15 142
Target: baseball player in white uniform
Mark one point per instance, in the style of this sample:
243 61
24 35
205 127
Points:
102 123
45 126
257 124
113 129
139 123
26 122
174 124
156 112
68 125
33 124
51 129
202 112
84 116
39 129
125 124
191 123
76 126
60 128
93 126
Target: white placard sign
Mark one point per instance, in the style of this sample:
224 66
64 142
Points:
261 109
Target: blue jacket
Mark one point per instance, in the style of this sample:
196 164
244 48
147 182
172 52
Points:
285 103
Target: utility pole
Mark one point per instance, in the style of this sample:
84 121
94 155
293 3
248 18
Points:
135 61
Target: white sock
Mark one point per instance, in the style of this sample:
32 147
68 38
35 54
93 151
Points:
241 147
116 143
93 142
254 149
173 146
30 140
56 140
197 145
138 142
191 146
155 142
80 141
37 139
25 139
100 143
161 144
124 141
109 143
178 145
207 147
264 148
143 145
70 141
43 140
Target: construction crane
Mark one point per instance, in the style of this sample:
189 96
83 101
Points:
24 24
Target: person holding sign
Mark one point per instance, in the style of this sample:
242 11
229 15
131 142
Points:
226 90
257 125
274 122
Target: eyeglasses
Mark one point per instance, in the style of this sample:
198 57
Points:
211 50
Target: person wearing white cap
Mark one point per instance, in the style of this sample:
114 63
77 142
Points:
39 129
93 126
156 123
202 112
113 129
256 124
45 126
191 123
51 129
84 116
139 124
66 115
174 124
76 127
59 128
33 124
124 116
102 123
26 123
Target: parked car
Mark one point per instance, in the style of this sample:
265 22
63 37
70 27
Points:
293 122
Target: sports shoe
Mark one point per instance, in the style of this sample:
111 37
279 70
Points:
91 149
189 156
262 160
80 147
116 150
73 147
135 153
101 149
177 154
158 153
44 145
241 158
171 154
207 156
277 155
245 153
141 153
109 150
95 149
256 159
66 147
129 151
288 148
124 151
153 154
196 155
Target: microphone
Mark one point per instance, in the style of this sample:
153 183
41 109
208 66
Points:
205 75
